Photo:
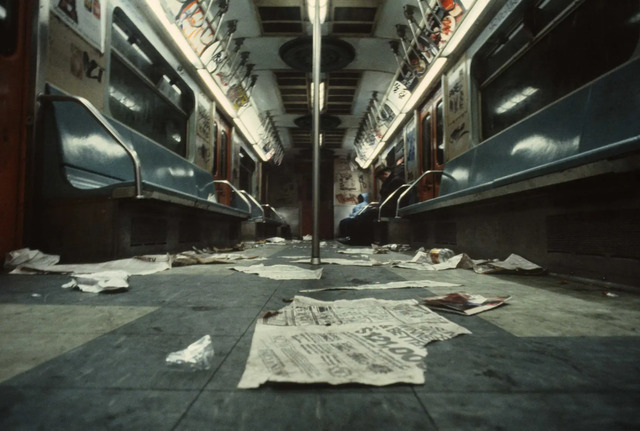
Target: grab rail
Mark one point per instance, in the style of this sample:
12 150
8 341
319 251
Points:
275 212
389 198
238 191
107 127
255 201
416 182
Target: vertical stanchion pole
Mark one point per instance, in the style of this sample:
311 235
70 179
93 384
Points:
315 242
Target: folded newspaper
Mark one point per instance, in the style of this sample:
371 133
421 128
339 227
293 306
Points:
462 303
367 341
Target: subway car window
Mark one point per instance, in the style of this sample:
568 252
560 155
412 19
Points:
145 93
224 150
516 81
247 168
8 27
214 147
439 134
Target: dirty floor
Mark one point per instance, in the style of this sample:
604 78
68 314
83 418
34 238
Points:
561 355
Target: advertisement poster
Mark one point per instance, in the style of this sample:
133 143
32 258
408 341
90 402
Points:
348 183
456 104
204 136
86 17
411 150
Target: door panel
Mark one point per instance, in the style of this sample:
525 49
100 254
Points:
431 146
222 160
14 70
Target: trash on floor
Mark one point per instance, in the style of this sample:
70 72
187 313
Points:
356 251
187 258
513 264
338 261
463 303
97 282
197 356
16 260
425 261
367 341
392 285
281 272
276 240
392 247
139 265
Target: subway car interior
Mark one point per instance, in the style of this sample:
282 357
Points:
262 214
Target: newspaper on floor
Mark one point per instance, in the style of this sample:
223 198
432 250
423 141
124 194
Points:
367 341
199 258
406 284
281 272
105 281
463 303
40 263
339 261
422 262
276 240
362 250
513 264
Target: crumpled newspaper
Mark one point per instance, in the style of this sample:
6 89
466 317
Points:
198 356
104 281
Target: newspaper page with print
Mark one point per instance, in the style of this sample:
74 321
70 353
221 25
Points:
367 341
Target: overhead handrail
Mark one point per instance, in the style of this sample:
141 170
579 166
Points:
131 152
238 192
256 203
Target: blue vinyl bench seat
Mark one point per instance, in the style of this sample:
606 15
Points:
599 129
90 163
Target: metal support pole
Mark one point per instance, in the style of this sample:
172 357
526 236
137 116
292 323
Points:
315 241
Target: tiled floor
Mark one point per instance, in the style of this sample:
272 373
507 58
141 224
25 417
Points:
560 356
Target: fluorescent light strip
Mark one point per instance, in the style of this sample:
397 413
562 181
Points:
220 97
311 10
463 29
251 139
175 34
432 73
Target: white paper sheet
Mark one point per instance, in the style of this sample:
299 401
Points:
281 272
368 341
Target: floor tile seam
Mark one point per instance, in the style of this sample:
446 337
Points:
48 387
607 391
226 357
425 409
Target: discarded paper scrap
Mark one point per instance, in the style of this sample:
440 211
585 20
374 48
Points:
197 356
198 258
367 341
40 263
422 262
105 281
338 261
281 272
463 303
514 264
356 251
391 285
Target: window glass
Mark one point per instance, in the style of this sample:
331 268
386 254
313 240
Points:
439 134
8 27
247 168
426 142
145 93
224 150
569 56
215 147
